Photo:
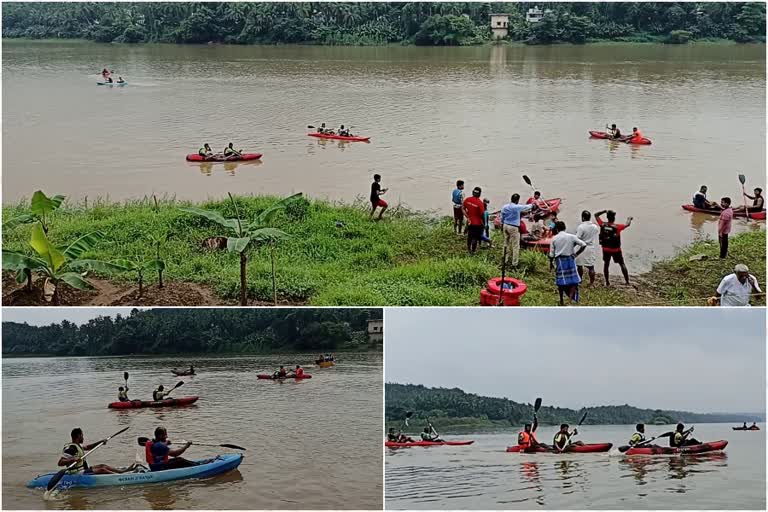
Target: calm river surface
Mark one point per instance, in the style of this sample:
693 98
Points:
484 476
486 115
313 444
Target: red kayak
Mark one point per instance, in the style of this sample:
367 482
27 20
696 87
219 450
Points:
392 444
541 245
221 158
339 137
587 448
170 402
752 215
553 205
266 376
603 135
712 446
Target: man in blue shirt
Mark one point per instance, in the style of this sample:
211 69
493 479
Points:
457 200
510 221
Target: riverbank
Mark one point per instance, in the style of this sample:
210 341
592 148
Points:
337 255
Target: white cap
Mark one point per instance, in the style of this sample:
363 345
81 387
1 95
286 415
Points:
741 268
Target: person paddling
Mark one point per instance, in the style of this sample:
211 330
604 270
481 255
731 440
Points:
680 438
160 393
105 73
344 132
161 457
122 393
526 439
231 151
427 435
281 373
636 136
701 202
639 436
758 202
562 440
614 132
120 80
74 451
205 151
298 372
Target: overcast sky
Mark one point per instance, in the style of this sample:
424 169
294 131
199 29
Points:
46 316
700 360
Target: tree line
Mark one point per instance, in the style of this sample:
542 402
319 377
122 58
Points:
351 23
437 403
197 330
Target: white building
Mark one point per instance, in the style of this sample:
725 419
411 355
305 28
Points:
500 25
376 331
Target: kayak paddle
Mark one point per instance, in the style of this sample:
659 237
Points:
626 447
743 180
407 417
178 385
583 417
125 376
536 407
143 441
530 184
58 476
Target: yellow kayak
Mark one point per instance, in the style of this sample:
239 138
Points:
325 364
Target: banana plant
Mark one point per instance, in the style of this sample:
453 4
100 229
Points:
57 264
138 264
248 233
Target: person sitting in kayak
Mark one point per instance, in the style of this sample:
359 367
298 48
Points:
344 132
122 394
299 371
324 130
754 426
639 436
109 80
160 393
120 80
427 435
191 369
205 151
701 202
526 439
744 426
614 132
160 456
535 199
74 451
562 440
636 136
758 202
398 438
231 151
281 373
104 73
680 438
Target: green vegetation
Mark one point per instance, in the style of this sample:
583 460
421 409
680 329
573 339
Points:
199 330
335 255
455 410
350 23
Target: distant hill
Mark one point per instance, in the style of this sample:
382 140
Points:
463 410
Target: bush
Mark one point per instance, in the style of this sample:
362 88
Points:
133 34
679 37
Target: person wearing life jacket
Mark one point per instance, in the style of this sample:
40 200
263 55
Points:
105 73
391 436
160 456
159 393
639 436
758 202
74 451
427 435
680 437
344 132
610 240
299 371
562 440
281 373
636 135
122 394
613 132
526 439
231 151
205 151
120 80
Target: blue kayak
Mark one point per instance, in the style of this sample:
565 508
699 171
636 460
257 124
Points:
221 464
112 83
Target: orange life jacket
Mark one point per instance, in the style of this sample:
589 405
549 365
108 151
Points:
149 456
300 372
524 440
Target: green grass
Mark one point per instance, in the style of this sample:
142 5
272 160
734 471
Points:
336 256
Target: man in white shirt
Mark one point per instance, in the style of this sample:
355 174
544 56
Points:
589 233
563 250
735 289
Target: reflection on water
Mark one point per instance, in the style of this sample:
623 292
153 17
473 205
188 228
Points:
208 168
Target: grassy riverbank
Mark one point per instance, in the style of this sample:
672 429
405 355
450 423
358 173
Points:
338 256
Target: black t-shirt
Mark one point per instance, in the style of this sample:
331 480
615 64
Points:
375 189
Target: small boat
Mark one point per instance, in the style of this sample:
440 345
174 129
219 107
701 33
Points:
110 84
325 364
245 157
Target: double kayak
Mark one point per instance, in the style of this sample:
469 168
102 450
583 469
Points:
548 205
272 377
752 215
748 428
182 374
603 135
112 83
392 444
325 364
712 446
339 137
207 468
170 402
245 157
587 448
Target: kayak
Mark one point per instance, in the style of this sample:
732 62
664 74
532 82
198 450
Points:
603 135
266 376
325 364
712 446
181 374
748 428
339 137
541 245
112 83
245 157
752 215
587 448
216 466
553 205
170 402
392 444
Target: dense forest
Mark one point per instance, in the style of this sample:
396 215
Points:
199 330
453 407
349 23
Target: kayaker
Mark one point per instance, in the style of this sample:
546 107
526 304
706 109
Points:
613 132
427 435
639 435
120 80
231 151
510 222
205 151
701 202
758 202
122 394
474 210
104 73
376 193
109 80
744 426
281 373
191 369
74 451
159 393
563 251
736 289
343 131
636 135
457 201
562 439
754 426
391 436
324 130
299 371
588 232
680 437
535 199
724 226
610 240
160 456
526 439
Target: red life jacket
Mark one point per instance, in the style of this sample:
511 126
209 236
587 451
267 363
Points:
149 456
300 372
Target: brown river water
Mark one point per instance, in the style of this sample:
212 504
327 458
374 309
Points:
313 444
483 114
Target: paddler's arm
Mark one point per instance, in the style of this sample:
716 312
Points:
179 451
94 445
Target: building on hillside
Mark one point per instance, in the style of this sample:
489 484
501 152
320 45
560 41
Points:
376 331
534 15
500 25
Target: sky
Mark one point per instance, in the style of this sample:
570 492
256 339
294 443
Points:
698 359
47 316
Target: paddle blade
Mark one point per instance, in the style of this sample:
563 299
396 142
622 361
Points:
624 448
178 384
125 376
742 179
537 405
53 482
233 446
310 126
527 180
